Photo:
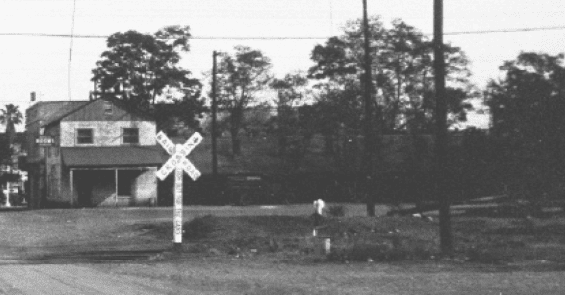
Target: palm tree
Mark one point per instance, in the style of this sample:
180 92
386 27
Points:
10 116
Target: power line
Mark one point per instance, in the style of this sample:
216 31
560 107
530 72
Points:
331 18
193 37
506 31
14 101
54 35
88 36
71 50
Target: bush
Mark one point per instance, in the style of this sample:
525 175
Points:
336 211
200 227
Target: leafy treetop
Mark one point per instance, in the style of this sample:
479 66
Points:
143 70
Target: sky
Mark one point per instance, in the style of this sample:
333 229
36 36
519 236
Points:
44 64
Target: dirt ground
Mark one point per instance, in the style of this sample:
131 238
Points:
71 279
26 234
221 276
30 236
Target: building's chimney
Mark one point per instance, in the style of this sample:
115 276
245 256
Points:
32 96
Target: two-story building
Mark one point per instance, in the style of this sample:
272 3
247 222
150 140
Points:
103 154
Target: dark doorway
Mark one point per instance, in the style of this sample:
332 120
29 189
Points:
126 179
84 186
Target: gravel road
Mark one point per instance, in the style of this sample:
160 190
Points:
69 279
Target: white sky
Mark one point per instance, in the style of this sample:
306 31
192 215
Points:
41 63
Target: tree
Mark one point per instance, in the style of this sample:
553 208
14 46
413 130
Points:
289 96
143 70
403 73
10 116
339 111
240 78
527 107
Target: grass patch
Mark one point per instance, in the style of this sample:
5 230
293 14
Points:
200 227
289 238
284 237
352 238
336 210
483 240
503 240
382 239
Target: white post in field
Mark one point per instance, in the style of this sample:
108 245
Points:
7 195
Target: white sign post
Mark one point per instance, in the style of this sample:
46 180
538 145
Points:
178 162
7 194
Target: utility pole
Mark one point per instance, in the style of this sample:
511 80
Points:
369 136
441 133
214 118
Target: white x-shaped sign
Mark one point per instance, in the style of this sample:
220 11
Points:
178 155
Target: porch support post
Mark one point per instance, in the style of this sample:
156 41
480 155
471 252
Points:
116 197
72 188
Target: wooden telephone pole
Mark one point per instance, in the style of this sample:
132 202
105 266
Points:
445 235
214 118
369 136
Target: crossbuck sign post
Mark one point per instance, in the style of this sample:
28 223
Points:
178 162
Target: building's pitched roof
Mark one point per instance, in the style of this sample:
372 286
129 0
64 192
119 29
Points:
114 156
49 109
128 107
58 103
63 113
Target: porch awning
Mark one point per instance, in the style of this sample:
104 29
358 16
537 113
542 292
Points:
146 156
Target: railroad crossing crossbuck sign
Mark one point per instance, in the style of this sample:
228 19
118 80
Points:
178 162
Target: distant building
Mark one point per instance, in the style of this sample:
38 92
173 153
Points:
103 154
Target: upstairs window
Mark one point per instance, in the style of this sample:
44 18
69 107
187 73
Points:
84 136
131 135
108 108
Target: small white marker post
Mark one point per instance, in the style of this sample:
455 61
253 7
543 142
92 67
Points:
319 205
7 194
178 162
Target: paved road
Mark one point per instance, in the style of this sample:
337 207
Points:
62 279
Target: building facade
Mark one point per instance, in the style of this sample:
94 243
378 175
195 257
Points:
103 154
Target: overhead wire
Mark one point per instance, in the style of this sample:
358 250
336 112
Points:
90 36
519 30
331 18
71 51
